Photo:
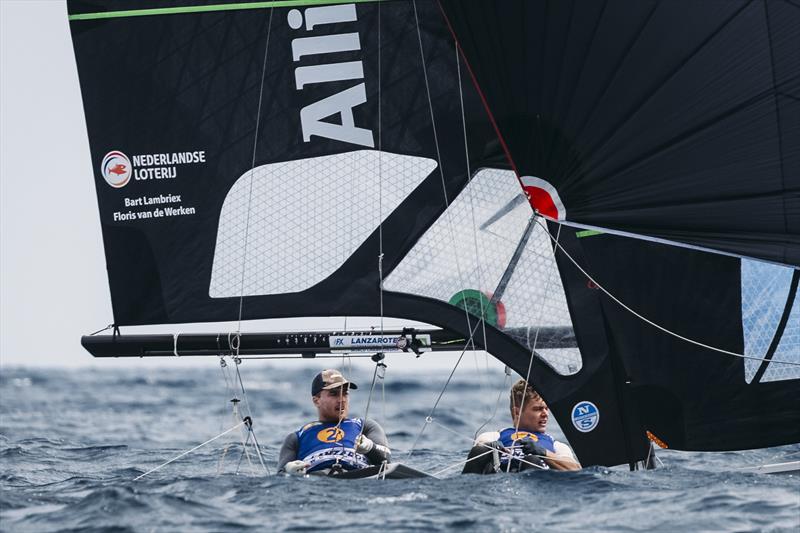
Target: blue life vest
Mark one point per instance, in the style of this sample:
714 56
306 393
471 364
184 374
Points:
321 444
508 437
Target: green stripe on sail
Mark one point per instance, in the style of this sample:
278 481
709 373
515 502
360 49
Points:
213 7
587 233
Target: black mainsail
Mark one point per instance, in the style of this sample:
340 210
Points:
305 158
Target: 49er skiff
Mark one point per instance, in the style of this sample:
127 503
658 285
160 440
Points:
603 195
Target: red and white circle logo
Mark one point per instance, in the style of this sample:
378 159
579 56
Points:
116 169
544 197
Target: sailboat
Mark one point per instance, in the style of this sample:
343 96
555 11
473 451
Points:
605 196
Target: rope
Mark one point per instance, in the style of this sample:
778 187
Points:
535 338
483 378
258 449
509 455
383 399
252 167
188 451
371 389
102 330
244 454
460 463
649 453
238 361
250 432
441 169
454 465
507 374
229 392
380 177
382 470
533 347
481 320
429 418
648 321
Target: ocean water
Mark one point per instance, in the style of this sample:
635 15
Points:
72 442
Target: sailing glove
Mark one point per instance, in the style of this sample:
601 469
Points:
296 468
496 445
531 448
364 444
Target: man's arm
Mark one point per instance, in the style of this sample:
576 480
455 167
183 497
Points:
379 451
288 451
563 458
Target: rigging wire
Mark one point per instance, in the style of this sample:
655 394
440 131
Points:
533 348
380 369
466 437
380 174
448 218
257 448
102 330
244 454
189 451
252 168
647 320
536 336
469 192
468 317
507 375
229 393
234 341
429 419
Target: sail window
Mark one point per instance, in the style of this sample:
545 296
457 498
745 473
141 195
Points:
765 290
286 226
466 252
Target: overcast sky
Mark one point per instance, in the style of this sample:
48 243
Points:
52 274
52 268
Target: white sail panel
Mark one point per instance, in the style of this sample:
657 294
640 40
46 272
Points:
788 349
765 288
286 226
470 247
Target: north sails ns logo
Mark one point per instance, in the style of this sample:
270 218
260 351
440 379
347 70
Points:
585 416
116 169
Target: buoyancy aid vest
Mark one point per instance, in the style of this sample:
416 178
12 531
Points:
511 439
322 444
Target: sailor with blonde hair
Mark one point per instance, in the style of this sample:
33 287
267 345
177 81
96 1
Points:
524 445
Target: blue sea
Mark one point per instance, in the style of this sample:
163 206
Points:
72 442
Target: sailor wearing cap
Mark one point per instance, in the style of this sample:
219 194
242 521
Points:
334 442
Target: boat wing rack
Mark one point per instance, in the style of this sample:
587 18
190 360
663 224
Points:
303 344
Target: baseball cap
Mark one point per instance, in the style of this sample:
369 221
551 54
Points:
329 379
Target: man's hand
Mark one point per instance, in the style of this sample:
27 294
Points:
496 445
364 445
531 448
296 468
